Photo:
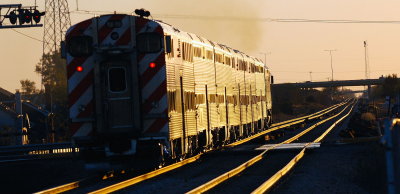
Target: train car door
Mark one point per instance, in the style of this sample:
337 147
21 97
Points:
117 97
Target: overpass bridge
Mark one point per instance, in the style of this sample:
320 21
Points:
337 83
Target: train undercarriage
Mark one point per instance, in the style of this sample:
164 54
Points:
121 153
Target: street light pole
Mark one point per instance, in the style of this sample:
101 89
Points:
330 53
265 56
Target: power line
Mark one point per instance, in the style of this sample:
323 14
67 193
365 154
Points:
26 35
382 70
285 20
290 20
92 12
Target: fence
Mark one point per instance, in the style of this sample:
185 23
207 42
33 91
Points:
37 151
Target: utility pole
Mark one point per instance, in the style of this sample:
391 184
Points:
310 76
56 23
330 53
367 67
366 60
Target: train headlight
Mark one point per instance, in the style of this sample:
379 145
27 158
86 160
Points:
155 104
114 35
81 108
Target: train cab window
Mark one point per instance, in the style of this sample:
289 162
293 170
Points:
80 46
148 42
117 79
169 45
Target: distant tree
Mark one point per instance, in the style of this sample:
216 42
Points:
53 71
391 86
52 68
28 87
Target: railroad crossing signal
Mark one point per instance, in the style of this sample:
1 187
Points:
37 15
12 16
29 16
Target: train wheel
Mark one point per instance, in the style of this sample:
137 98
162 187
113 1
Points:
233 136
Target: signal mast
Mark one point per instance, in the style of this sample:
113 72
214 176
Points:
19 16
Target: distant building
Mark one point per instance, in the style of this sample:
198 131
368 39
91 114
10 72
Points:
29 125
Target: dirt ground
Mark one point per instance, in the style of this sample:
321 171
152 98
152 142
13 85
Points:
33 176
338 168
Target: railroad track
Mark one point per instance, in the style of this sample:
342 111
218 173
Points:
274 166
210 157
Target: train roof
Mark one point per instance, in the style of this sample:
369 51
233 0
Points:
196 38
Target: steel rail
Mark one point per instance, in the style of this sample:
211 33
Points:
295 121
118 186
61 188
303 117
130 182
218 180
277 176
146 176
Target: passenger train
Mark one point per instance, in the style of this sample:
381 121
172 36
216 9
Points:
141 89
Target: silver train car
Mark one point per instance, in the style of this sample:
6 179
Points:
141 88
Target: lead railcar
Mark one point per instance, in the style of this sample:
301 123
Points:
140 89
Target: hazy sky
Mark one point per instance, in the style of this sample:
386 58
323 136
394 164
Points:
294 49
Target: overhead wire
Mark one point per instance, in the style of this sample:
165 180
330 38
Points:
26 35
293 20
284 20
382 70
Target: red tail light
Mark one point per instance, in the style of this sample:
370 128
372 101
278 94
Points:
79 68
152 65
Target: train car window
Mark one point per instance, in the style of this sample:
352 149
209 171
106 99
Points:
149 42
200 98
184 55
190 52
171 100
187 52
218 58
117 79
80 46
197 52
189 98
192 101
228 60
209 55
